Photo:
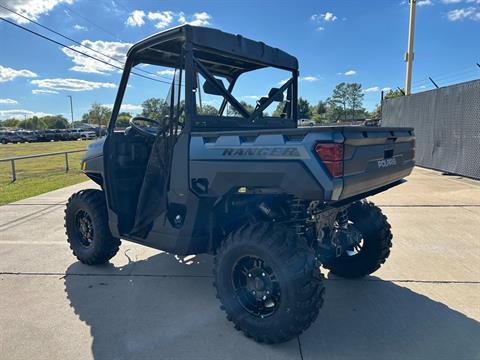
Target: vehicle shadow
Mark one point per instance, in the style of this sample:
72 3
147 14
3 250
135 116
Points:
136 312
133 313
375 319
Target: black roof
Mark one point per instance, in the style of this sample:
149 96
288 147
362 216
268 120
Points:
222 53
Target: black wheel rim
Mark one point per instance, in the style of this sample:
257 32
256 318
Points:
84 227
256 286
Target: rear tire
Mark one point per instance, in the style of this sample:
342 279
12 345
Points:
377 241
86 225
282 290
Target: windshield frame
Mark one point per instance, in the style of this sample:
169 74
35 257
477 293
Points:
190 64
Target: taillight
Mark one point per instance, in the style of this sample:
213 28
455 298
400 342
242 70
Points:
331 155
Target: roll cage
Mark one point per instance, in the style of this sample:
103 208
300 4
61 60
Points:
213 54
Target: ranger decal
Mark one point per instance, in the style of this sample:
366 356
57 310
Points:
262 151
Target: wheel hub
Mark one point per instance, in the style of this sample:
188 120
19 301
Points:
85 228
256 287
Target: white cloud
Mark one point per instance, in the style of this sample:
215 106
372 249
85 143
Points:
197 19
30 8
20 114
349 73
7 74
163 18
372 89
328 16
116 50
79 27
281 82
386 89
8 101
320 28
251 97
136 18
471 13
448 2
424 3
309 78
167 72
127 107
40 91
71 84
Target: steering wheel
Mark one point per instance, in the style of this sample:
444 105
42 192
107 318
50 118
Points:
142 130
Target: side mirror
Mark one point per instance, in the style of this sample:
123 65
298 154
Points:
278 97
209 88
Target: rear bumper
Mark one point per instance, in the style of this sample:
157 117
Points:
364 182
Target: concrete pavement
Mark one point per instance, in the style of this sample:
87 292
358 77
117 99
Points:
423 304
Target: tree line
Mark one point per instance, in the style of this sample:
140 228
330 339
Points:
345 103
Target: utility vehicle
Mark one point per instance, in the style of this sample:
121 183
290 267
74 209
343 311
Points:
272 202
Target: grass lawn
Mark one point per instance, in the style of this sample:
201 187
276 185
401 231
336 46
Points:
39 175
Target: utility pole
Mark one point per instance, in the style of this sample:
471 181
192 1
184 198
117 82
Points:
71 107
409 54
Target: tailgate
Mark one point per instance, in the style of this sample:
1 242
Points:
376 157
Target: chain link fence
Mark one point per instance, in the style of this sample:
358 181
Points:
447 126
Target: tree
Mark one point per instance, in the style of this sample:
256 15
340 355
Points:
377 113
231 111
55 122
34 123
333 111
279 109
123 120
393 94
303 108
207 109
354 98
97 115
320 108
11 122
155 108
340 97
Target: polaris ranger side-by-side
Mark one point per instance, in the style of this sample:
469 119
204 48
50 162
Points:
272 202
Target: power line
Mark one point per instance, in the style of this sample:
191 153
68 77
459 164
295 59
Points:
80 52
454 79
455 74
75 41
91 22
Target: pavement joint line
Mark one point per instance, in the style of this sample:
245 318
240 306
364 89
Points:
63 275
386 205
28 217
473 282
431 206
300 347
38 204
33 242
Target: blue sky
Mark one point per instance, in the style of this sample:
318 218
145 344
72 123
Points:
343 40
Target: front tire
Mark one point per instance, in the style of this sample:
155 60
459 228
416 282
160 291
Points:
86 225
374 248
268 282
